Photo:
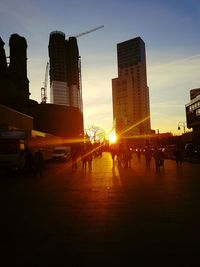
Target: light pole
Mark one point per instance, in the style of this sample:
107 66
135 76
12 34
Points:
181 124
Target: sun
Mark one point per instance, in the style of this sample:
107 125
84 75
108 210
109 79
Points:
112 137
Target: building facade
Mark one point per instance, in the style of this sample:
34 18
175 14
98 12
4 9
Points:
194 93
193 112
58 120
131 108
65 81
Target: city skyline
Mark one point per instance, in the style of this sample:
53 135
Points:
169 30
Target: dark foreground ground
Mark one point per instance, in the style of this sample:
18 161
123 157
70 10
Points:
106 217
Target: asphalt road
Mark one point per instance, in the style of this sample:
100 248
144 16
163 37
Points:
104 217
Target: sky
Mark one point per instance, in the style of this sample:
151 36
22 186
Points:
169 28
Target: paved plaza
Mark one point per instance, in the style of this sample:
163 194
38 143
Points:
104 217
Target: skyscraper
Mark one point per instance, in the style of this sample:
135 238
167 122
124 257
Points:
73 72
18 64
14 83
65 84
131 109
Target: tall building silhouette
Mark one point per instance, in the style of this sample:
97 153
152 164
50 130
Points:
131 109
3 63
14 84
18 65
65 84
59 91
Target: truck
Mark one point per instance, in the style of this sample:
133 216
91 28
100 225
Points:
12 145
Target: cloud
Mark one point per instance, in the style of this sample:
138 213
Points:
167 104
175 74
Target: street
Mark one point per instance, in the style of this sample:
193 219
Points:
104 217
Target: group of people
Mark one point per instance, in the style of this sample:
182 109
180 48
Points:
33 162
122 156
159 157
84 153
86 157
178 155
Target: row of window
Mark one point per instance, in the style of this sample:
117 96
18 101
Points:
198 112
194 106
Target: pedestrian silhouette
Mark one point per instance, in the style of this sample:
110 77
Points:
84 158
38 162
156 156
74 156
159 158
148 155
178 155
138 154
29 162
113 155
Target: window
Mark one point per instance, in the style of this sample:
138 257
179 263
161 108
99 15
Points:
198 112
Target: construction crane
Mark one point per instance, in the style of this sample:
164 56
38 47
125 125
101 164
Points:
79 61
84 33
44 89
92 30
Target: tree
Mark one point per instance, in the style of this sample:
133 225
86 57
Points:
96 133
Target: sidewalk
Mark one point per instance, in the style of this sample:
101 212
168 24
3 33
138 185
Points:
106 217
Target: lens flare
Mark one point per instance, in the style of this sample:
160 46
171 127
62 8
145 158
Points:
112 137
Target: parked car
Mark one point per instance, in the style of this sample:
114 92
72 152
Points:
61 153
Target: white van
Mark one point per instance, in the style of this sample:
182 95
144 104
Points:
61 153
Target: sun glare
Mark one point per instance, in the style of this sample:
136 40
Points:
112 137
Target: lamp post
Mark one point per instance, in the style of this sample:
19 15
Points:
181 124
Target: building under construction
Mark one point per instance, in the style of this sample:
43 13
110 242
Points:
65 71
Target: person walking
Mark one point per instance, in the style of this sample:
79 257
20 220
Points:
89 160
113 155
148 155
161 159
84 159
178 155
127 158
38 162
74 156
89 157
156 156
28 162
